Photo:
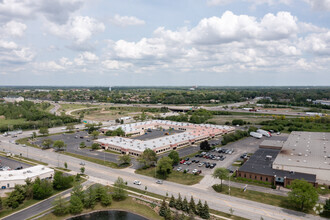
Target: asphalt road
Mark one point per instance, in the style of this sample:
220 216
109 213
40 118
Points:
241 207
39 207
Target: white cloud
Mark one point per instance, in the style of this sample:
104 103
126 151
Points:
48 66
79 28
13 29
254 2
218 2
115 65
124 21
226 43
320 5
55 10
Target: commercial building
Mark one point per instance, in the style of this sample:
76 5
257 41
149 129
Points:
304 155
259 167
10 178
13 99
190 134
307 152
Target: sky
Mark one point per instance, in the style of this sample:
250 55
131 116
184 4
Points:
165 43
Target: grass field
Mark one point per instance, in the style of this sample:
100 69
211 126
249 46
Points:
265 198
108 114
175 176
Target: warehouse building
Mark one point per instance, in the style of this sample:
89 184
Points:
259 167
304 155
190 134
307 152
10 178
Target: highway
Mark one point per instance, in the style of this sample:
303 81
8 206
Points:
106 175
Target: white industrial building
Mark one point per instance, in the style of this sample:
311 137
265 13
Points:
306 152
10 178
191 133
13 99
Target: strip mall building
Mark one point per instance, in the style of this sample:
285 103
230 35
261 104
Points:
191 133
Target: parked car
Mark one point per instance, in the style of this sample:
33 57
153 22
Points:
188 163
182 161
159 181
187 159
213 165
179 169
200 164
82 163
137 182
186 170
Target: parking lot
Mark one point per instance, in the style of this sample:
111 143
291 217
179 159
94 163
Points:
7 163
72 140
223 158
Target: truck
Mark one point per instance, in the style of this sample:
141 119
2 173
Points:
256 135
264 133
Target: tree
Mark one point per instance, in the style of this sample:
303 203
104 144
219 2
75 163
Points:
47 143
16 197
174 155
124 159
95 146
77 190
34 135
221 173
119 192
59 144
82 170
76 205
95 134
205 213
90 198
163 208
42 189
147 158
172 202
326 211
106 199
164 166
61 182
82 144
192 206
65 165
44 131
303 195
205 146
185 206
199 207
60 206
70 127
178 203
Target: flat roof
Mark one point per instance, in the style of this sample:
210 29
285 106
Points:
191 132
29 172
261 163
306 149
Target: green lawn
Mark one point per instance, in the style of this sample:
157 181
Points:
175 176
93 160
7 211
127 205
256 196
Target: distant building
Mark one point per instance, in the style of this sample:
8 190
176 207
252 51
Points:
10 178
13 99
110 89
321 102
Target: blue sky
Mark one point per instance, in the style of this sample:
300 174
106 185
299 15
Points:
160 43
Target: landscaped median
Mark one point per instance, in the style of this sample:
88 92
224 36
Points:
174 176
